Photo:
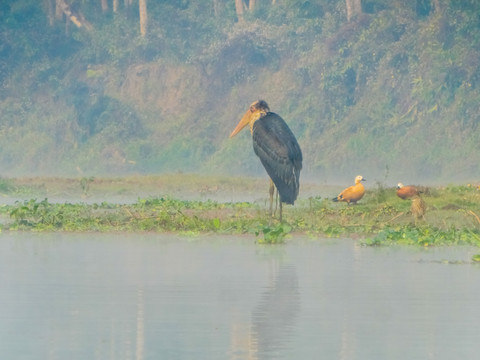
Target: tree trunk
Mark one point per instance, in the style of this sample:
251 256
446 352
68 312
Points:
142 6
104 5
50 11
115 6
239 9
78 19
354 8
251 5
216 8
436 5
349 5
129 10
58 9
358 7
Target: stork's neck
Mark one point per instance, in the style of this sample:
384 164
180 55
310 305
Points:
255 116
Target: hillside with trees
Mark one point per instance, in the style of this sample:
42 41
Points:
386 89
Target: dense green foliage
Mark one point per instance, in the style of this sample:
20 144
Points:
396 88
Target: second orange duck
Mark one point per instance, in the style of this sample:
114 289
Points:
406 192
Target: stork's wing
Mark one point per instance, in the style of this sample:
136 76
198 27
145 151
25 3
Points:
280 154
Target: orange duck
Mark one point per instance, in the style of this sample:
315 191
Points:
407 192
353 193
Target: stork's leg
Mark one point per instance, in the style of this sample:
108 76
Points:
277 196
271 191
280 210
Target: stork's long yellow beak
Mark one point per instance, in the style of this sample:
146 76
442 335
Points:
244 122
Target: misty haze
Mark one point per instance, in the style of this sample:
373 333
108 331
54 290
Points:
388 90
139 221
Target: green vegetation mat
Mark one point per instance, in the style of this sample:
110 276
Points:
381 218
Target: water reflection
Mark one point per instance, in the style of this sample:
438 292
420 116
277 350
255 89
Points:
140 343
274 318
270 327
149 296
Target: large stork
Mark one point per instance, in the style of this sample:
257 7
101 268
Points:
277 148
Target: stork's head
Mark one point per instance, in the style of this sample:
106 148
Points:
258 109
359 178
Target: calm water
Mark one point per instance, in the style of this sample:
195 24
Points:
117 296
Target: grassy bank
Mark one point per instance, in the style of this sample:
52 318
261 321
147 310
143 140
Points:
453 215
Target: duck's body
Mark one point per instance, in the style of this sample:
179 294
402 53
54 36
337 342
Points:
353 193
406 192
